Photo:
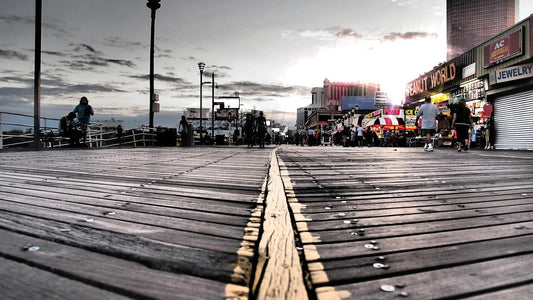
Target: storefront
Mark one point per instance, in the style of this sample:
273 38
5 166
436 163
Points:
496 80
513 107
508 62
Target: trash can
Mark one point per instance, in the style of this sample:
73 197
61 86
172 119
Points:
166 136
221 139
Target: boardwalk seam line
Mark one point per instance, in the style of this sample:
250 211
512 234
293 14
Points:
310 251
278 260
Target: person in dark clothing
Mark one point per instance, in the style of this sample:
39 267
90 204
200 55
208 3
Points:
69 126
184 131
462 122
119 134
249 130
261 129
84 112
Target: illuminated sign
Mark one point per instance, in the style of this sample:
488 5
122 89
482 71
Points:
391 111
373 114
431 81
502 49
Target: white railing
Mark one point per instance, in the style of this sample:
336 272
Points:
16 131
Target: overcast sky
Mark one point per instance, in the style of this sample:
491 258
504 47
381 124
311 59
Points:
272 52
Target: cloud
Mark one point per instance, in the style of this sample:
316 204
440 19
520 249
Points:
393 36
83 47
172 79
58 30
121 43
330 33
264 92
402 2
86 58
333 33
9 54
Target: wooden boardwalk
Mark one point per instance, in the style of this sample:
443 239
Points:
381 223
237 223
161 223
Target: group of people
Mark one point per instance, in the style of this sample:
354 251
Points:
255 130
75 125
461 121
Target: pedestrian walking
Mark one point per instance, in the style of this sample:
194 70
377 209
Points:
360 136
184 131
119 134
462 122
428 112
303 136
261 129
84 112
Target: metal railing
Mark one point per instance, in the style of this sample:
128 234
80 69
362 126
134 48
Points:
16 131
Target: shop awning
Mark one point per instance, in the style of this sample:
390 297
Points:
386 121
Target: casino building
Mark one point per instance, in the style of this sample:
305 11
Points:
496 79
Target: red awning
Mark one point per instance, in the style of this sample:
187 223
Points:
386 121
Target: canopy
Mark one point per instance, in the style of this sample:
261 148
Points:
386 121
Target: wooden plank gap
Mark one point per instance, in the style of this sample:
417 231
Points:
279 273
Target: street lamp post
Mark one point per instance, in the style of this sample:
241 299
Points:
201 66
153 5
213 84
37 76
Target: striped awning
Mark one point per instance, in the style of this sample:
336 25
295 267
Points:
386 121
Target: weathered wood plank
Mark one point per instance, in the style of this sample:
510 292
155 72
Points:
45 224
78 212
20 281
120 276
379 228
162 254
380 219
456 282
355 269
70 202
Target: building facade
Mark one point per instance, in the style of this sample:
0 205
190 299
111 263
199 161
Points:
335 91
317 94
471 22
496 80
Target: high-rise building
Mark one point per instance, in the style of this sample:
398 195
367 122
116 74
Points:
334 91
472 22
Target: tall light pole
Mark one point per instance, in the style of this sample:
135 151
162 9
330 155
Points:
37 76
238 111
201 66
213 85
153 5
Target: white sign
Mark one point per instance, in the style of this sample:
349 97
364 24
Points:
514 73
380 99
469 70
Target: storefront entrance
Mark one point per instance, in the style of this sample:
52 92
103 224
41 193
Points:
512 120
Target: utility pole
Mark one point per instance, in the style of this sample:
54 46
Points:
37 77
153 5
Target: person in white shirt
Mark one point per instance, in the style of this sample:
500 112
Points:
429 112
